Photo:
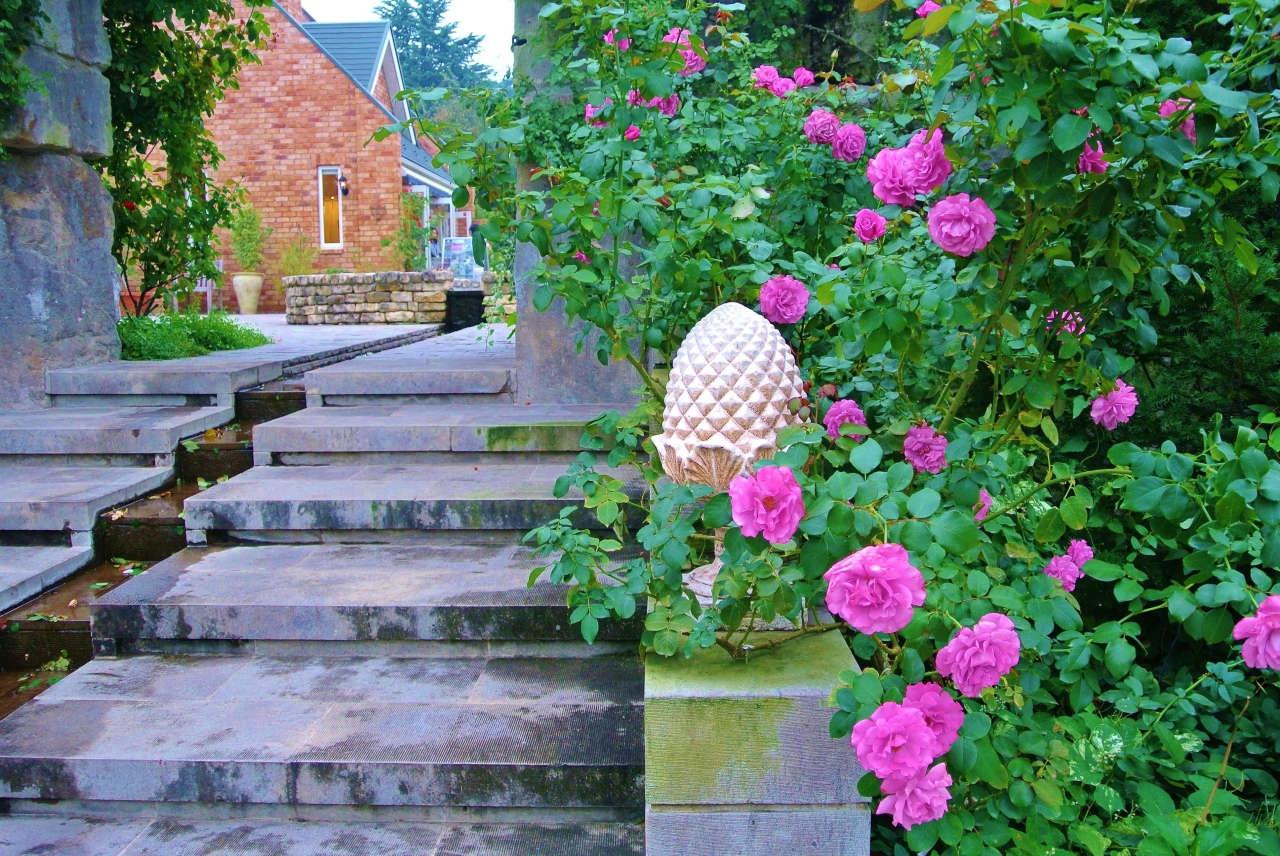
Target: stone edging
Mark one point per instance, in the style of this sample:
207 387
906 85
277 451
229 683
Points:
395 297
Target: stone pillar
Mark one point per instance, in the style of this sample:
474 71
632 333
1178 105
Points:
549 368
59 285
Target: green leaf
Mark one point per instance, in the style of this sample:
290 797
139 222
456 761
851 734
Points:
1040 394
963 755
717 512
1050 528
1181 605
1229 508
1270 554
912 666
988 767
869 786
461 197
955 531
1119 657
1108 799
924 502
922 837
1070 131
1073 512
866 457
461 173
899 476
1230 101
976 725
1089 838
1167 149
592 164
1127 590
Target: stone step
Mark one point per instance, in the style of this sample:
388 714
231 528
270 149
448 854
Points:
493 501
77 836
331 731
27 571
422 432
88 435
343 593
69 498
476 365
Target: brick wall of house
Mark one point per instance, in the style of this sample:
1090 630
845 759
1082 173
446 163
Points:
381 90
294 112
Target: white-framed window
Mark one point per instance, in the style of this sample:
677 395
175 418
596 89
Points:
330 207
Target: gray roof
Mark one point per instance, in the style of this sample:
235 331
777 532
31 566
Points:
418 156
356 47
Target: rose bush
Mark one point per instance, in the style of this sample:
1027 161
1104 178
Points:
1034 168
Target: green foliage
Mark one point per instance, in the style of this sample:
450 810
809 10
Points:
19 26
175 335
430 51
409 240
298 257
170 65
248 236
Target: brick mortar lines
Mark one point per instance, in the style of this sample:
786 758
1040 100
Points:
396 297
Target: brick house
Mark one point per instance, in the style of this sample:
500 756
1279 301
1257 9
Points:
294 137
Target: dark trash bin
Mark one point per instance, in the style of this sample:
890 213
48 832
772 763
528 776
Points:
463 308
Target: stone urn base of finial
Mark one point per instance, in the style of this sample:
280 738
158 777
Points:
703 578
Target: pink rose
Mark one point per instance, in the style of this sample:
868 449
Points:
1114 407
677 36
1065 322
582 257
846 412
925 449
895 741
849 143
764 76
1080 552
984 506
1261 633
927 8
769 502
634 97
1091 160
943 714
611 38
868 225
632 133
668 106
1169 108
803 77
927 158
693 63
782 87
890 179
589 112
961 225
979 656
783 299
1062 568
916 800
897 176
875 589
821 127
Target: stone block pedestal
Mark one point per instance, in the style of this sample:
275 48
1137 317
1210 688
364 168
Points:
395 297
738 759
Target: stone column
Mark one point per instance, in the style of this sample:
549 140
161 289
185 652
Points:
59 285
549 370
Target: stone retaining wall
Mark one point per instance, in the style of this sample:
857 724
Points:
397 297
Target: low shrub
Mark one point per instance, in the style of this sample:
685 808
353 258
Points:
186 334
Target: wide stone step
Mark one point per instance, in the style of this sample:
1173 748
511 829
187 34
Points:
343 593
27 571
337 434
69 498
65 836
334 731
105 434
314 503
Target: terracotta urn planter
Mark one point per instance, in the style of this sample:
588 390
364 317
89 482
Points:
248 288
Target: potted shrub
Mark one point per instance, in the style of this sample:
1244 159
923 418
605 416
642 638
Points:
247 238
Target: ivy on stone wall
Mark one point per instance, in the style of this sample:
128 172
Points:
19 25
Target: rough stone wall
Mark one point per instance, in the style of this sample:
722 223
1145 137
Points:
59 285
367 298
294 112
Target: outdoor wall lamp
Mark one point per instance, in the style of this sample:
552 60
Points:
342 185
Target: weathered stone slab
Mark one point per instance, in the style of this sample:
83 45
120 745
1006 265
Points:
69 498
354 592
73 114
27 571
396 297
60 836
440 497
105 430
775 769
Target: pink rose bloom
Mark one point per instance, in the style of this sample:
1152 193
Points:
984 506
894 742
693 63
868 225
928 160
1091 160
979 656
668 106
1080 552
611 38
875 589
803 77
897 176
580 256
1114 407
677 36
783 299
821 127
589 112
782 87
849 143
632 133
925 449
927 8
634 97
890 179
769 502
846 412
764 76
1171 107
1064 569
916 800
1261 633
1065 322
961 225
943 714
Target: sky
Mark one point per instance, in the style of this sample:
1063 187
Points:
491 19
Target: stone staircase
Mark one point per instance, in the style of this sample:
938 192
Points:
352 644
